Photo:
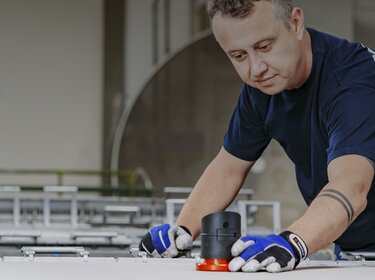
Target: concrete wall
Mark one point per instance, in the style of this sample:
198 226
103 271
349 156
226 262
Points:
50 84
139 28
364 22
333 16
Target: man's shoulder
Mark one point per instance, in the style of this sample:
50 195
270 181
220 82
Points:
338 50
347 61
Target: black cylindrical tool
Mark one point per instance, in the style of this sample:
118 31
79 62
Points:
219 231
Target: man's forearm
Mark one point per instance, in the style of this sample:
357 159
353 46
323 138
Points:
214 191
209 195
325 220
337 205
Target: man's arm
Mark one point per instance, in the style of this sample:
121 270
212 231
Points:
338 204
214 191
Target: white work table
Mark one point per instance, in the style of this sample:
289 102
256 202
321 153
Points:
74 268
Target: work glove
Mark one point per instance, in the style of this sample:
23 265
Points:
275 253
166 241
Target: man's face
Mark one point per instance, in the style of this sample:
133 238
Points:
264 51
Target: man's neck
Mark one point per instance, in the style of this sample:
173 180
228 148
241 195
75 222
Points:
308 57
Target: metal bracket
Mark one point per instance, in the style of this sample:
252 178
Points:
29 252
135 252
357 256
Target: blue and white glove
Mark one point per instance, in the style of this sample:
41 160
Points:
275 253
166 241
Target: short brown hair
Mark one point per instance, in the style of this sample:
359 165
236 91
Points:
241 8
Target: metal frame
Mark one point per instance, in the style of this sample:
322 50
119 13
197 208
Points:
169 190
170 208
243 204
73 205
15 190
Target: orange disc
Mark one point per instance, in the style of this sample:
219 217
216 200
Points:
213 265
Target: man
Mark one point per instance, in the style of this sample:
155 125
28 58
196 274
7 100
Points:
314 94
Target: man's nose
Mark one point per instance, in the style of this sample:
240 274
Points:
258 68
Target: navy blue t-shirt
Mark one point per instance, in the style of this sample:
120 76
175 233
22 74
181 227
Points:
331 115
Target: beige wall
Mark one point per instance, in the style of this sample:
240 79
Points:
364 22
50 83
139 28
332 16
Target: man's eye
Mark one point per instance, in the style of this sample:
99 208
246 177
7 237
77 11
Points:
239 56
266 47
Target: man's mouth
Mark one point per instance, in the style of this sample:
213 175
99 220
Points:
265 80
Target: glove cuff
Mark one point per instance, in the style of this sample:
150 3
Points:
185 229
299 247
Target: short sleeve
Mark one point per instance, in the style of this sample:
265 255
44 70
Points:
246 137
351 123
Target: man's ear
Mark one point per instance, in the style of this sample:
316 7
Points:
298 22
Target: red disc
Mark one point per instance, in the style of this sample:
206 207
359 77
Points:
213 265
